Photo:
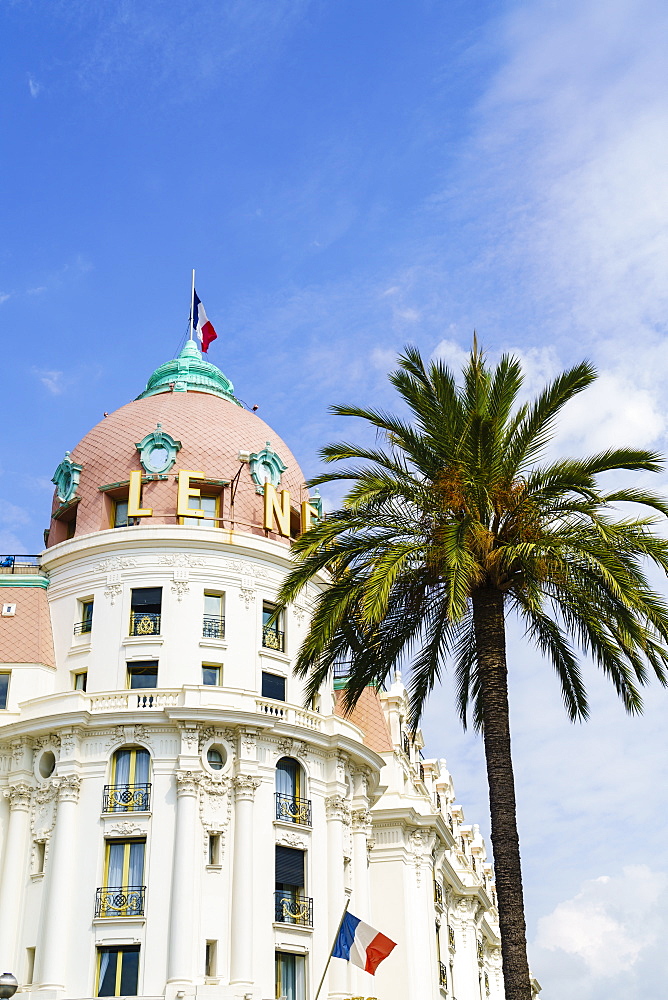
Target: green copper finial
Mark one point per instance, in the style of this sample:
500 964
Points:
189 373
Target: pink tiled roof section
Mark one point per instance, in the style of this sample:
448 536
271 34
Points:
26 637
212 432
368 716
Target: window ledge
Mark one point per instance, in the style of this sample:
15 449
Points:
280 926
115 921
79 647
127 813
142 640
284 824
37 876
214 643
274 654
214 868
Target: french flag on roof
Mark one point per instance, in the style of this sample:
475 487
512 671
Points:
361 944
202 325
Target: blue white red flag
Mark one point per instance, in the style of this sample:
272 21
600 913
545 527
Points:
202 325
361 944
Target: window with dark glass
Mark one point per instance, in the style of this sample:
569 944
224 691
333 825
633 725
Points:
273 686
118 971
215 759
291 905
81 680
122 894
129 789
273 636
291 806
85 625
143 674
290 976
211 674
213 622
4 688
145 610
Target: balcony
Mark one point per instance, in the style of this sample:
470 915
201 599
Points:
213 627
442 975
144 623
273 639
293 810
120 901
451 938
126 798
438 894
291 908
81 628
20 564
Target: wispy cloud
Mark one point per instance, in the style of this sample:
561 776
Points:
33 86
4 296
54 381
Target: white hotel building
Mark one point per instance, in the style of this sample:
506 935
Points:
173 821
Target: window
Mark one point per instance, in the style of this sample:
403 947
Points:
81 680
291 905
40 855
145 608
272 634
85 624
122 895
4 688
119 514
210 507
129 790
212 674
215 759
143 674
210 959
290 806
118 971
30 966
290 976
214 849
273 686
213 623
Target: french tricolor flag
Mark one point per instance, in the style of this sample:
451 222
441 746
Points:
361 944
205 331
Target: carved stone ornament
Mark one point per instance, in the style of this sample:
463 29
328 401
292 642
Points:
115 563
299 613
247 596
116 736
249 742
113 591
68 742
187 782
142 734
125 830
361 820
18 746
18 795
181 560
180 587
190 738
215 803
300 750
284 747
43 817
292 840
245 786
336 807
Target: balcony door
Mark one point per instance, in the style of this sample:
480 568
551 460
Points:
129 789
124 889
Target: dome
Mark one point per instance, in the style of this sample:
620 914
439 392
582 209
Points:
198 428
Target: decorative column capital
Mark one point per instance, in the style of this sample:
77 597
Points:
361 819
19 795
69 786
336 807
245 786
187 783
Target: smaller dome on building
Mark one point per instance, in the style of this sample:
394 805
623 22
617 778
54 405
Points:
189 372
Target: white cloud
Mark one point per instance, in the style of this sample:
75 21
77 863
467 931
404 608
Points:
4 296
611 923
52 380
12 516
33 86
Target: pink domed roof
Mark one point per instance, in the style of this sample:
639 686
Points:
212 431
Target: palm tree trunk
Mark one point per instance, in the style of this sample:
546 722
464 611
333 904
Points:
489 624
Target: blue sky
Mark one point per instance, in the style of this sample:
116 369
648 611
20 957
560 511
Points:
349 177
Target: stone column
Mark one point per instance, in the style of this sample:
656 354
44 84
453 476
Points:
180 966
241 958
13 871
55 945
337 814
361 832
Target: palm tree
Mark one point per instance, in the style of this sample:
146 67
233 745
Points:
454 520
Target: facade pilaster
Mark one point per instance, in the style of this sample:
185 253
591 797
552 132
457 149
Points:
13 870
241 958
338 813
181 960
361 826
54 946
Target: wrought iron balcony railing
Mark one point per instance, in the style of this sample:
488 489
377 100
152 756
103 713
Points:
292 908
293 810
126 798
451 938
406 743
213 627
438 893
421 772
120 901
272 638
144 623
442 975
82 627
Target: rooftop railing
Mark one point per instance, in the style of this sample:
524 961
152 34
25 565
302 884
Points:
10 564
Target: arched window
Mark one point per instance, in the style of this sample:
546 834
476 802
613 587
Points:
291 804
129 790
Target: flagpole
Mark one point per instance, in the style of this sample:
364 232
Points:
192 304
338 929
